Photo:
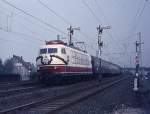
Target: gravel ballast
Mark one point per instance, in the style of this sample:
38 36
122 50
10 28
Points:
118 99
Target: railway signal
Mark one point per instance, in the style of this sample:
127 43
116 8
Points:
71 32
138 62
100 42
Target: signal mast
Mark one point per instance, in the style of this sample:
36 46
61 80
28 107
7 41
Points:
138 62
71 31
100 42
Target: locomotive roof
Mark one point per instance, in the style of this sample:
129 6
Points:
54 42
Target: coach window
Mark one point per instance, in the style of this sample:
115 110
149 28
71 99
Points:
63 51
43 51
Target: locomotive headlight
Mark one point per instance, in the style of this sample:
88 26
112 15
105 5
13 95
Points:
55 67
45 60
97 68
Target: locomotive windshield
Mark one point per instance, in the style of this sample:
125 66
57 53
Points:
43 51
49 50
52 50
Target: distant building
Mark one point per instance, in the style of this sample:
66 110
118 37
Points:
21 67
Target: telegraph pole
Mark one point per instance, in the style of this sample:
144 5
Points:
138 61
71 31
100 43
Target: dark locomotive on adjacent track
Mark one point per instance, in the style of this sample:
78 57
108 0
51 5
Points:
58 60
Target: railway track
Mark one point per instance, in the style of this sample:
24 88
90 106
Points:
6 86
55 103
15 91
11 89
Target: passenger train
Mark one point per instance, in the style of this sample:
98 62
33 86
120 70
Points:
57 60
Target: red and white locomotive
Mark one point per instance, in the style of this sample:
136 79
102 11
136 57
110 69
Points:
58 59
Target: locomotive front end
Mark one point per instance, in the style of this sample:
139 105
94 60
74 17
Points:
52 60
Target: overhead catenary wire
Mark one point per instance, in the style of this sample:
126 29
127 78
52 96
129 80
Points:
13 45
25 45
52 11
34 17
4 40
25 19
98 20
33 32
10 42
99 6
137 19
22 34
61 17
95 17
25 37
102 12
29 21
138 10
107 21
105 18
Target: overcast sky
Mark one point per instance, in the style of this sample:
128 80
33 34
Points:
22 35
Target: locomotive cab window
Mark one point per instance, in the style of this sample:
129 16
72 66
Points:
43 51
63 51
52 50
